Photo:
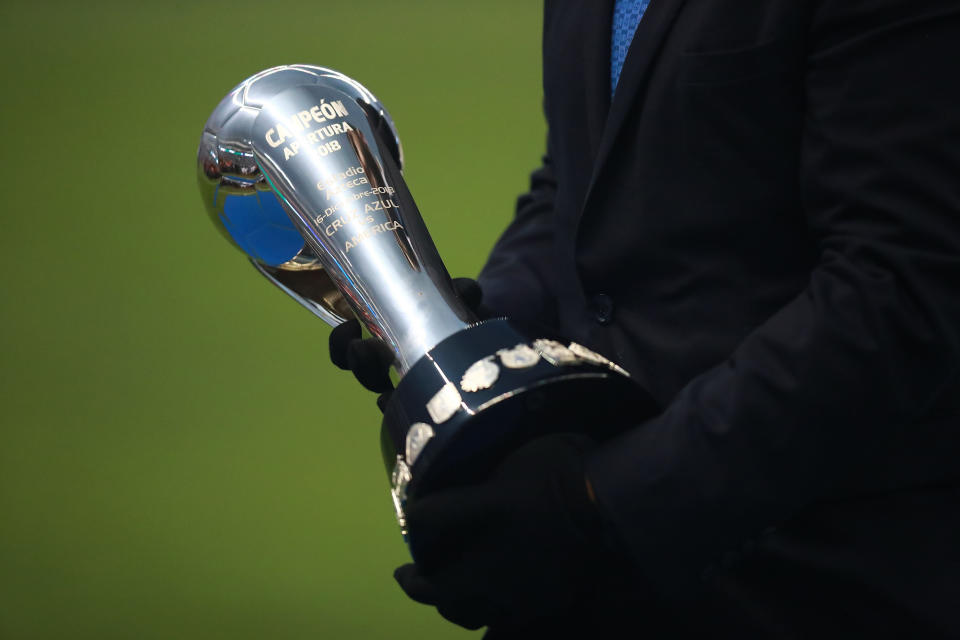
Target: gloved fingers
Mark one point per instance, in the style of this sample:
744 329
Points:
370 362
465 609
534 458
471 613
466 597
443 527
446 513
469 291
340 339
418 588
383 400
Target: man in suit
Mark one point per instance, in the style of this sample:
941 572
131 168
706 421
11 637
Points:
758 216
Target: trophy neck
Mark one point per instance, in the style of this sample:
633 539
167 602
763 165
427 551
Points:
322 154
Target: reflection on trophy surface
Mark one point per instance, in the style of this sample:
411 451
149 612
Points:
300 167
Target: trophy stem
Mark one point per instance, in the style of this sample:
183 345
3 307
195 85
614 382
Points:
341 186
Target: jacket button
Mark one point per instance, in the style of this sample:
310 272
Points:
602 307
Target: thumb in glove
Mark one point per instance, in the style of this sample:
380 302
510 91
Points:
369 358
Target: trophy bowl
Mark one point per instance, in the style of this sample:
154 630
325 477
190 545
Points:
301 168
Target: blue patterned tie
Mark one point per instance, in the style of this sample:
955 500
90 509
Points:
626 17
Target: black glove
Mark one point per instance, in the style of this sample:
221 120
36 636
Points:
369 359
524 545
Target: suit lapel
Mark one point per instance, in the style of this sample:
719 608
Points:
641 57
596 29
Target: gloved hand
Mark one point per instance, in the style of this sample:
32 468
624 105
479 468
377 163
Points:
524 545
369 359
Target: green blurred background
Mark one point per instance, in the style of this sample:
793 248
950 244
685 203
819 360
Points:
178 458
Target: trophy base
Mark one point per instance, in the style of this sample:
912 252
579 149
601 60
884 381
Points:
486 390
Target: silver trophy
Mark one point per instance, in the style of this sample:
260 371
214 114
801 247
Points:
300 167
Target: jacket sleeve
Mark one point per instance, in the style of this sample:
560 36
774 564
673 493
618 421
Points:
515 279
853 362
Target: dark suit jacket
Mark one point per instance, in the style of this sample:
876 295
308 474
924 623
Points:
764 229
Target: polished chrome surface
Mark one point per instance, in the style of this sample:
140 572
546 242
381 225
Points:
243 206
323 145
311 288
